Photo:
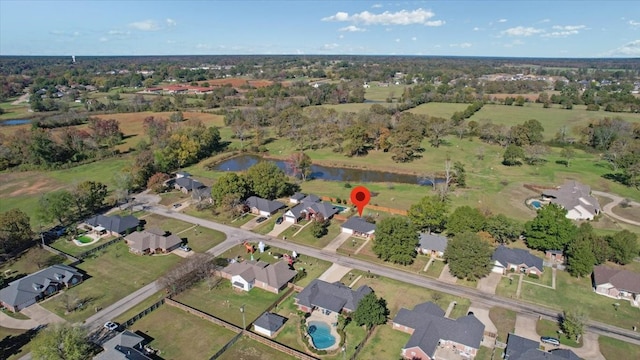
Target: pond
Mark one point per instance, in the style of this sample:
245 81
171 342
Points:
243 162
15 122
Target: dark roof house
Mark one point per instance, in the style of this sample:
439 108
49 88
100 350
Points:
34 287
269 323
430 242
519 348
505 258
126 346
114 223
358 226
188 184
576 199
430 329
247 274
330 296
311 206
263 206
617 283
152 241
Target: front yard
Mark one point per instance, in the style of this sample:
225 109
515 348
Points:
570 291
616 349
384 343
416 267
305 237
187 336
248 349
113 273
504 320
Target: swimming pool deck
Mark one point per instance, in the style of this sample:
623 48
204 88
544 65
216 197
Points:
328 319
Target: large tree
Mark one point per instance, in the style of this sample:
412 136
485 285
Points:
550 230
465 219
624 246
15 230
89 196
300 164
229 184
503 228
580 255
430 214
63 342
512 155
573 322
267 180
396 240
371 311
468 256
56 206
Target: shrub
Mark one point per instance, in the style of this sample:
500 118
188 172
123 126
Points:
347 186
534 276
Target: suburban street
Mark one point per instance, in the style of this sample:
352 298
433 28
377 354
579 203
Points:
236 236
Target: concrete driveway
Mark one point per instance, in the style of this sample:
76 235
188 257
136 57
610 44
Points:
482 313
13 323
251 224
445 275
489 283
334 273
337 242
42 315
590 347
279 228
526 327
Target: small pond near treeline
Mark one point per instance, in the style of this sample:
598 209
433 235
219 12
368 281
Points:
243 162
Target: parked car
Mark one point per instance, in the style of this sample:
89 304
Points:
279 220
185 247
175 206
261 219
550 340
111 326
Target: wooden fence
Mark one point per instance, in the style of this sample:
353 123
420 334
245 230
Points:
226 346
142 313
72 258
203 315
280 347
98 248
361 344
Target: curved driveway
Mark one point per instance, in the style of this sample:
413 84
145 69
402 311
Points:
608 209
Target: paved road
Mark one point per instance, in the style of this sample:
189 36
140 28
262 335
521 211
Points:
608 209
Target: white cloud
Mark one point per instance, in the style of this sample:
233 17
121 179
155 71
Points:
564 31
145 25
171 41
522 31
64 33
545 20
634 23
118 32
170 22
352 28
414 38
502 20
476 29
103 39
461 45
376 6
397 40
330 46
628 49
402 17
340 36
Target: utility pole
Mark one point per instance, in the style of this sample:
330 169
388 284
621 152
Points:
244 325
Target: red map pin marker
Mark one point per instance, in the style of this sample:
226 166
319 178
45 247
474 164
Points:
360 197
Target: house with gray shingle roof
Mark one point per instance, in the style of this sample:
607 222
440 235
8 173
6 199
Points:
617 283
506 259
187 184
152 241
520 348
432 244
358 226
250 273
268 324
114 224
39 285
335 297
263 207
296 198
575 198
124 346
310 207
431 331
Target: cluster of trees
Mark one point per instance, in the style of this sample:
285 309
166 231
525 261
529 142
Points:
264 179
551 230
42 148
15 231
65 206
198 267
371 311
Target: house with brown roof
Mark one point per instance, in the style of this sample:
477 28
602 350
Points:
617 283
575 198
249 274
152 241
435 336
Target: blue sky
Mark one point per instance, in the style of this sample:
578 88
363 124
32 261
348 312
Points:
463 28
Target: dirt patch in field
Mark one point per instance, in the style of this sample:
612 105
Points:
20 184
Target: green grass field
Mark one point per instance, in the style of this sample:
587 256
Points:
188 336
123 271
248 349
613 349
550 328
382 93
384 343
504 320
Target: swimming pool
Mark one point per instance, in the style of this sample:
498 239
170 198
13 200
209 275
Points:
340 208
320 333
536 204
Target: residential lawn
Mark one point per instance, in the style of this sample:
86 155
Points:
507 287
122 318
171 225
545 279
550 328
351 245
15 315
266 226
289 232
384 343
14 343
435 269
173 196
113 273
28 262
616 349
410 295
417 267
224 301
504 320
201 239
220 217
484 353
305 236
248 349
571 291
66 244
187 337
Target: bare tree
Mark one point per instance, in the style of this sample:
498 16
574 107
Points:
449 174
186 274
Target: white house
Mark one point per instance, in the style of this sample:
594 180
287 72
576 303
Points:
268 324
576 199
